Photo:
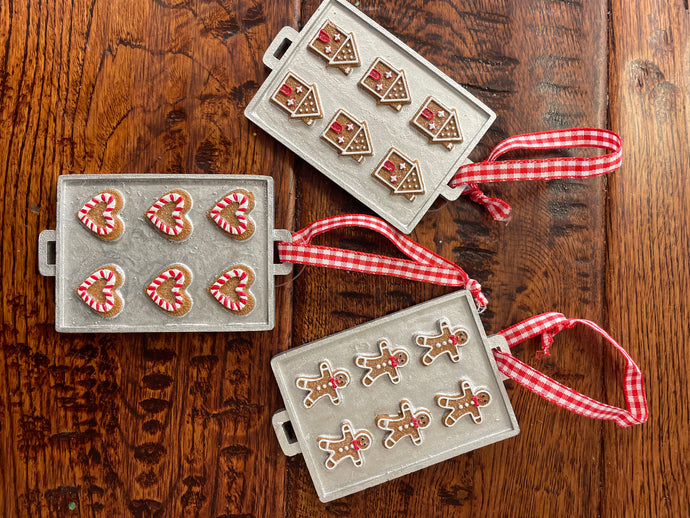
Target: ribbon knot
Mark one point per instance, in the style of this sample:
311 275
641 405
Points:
355 444
475 401
547 337
334 383
394 362
476 290
498 209
414 422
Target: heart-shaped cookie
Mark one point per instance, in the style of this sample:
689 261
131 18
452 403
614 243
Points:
99 290
99 215
168 214
231 289
168 290
231 214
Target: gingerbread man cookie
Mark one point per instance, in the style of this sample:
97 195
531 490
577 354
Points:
349 445
387 362
408 423
327 384
448 342
467 402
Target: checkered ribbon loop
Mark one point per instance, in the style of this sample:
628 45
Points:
424 266
547 325
540 169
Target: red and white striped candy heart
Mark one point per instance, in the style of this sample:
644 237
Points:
107 302
176 278
237 225
105 204
177 226
242 301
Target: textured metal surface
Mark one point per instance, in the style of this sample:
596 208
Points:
387 127
142 252
419 384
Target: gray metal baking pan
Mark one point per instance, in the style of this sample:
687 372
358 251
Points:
387 127
418 383
71 252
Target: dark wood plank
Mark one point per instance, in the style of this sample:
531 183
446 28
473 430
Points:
137 425
532 62
646 468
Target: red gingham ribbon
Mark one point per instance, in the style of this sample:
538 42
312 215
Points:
425 266
539 169
548 324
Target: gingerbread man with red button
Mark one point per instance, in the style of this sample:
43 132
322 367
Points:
447 342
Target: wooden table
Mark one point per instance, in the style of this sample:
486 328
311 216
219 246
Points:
179 425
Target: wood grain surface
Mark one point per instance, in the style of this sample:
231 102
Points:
176 425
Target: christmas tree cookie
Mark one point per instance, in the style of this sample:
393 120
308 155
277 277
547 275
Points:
386 84
335 46
400 174
348 135
298 98
438 123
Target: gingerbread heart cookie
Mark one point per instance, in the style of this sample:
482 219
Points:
99 215
168 290
231 289
99 290
168 214
231 214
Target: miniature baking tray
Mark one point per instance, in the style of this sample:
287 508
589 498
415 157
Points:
387 127
419 384
71 252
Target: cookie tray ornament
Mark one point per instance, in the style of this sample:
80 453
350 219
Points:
157 253
412 389
368 112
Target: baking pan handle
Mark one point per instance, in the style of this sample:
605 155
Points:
453 193
288 442
450 193
279 46
46 253
282 268
499 342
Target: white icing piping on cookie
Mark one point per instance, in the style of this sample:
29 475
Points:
152 289
152 213
110 202
234 197
242 295
109 276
